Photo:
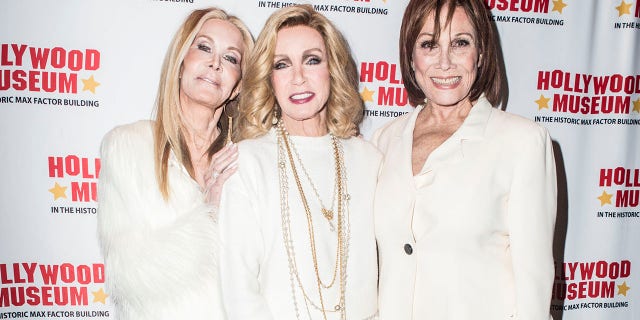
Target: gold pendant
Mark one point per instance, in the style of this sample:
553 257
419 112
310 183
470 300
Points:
327 213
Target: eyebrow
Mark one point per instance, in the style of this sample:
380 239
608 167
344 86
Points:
455 35
305 54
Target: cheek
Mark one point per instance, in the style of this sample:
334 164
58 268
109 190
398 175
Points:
276 84
325 83
421 66
323 79
470 60
234 77
280 89
472 69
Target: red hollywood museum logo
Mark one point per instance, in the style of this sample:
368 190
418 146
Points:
596 279
33 284
35 69
391 92
84 171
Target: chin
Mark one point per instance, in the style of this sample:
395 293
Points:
449 101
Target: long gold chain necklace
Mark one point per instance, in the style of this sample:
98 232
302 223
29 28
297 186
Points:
284 146
327 213
338 173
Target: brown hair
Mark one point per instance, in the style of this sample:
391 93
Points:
169 125
489 79
258 105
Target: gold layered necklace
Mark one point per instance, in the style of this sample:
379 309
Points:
285 154
327 213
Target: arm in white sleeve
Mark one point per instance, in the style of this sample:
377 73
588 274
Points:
242 252
532 212
146 259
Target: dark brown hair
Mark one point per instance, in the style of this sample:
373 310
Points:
489 80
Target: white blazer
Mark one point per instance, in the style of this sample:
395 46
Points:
470 236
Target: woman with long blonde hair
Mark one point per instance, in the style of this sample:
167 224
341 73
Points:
160 181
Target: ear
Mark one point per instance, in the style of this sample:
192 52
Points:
479 60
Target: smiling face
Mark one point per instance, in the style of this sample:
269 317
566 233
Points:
446 69
211 68
300 79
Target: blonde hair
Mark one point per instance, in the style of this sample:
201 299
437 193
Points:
169 125
258 105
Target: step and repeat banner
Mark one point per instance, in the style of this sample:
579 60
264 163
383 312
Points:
71 70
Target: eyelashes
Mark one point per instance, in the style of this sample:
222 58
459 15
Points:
456 44
428 44
231 59
284 63
228 57
279 65
460 43
204 47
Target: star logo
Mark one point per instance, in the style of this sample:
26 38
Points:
90 84
58 191
543 103
623 288
99 296
636 106
558 5
623 8
605 198
367 95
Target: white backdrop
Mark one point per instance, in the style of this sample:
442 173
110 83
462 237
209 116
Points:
71 70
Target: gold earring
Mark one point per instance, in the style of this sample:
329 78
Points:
229 122
229 130
274 118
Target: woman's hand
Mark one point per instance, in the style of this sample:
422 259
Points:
223 164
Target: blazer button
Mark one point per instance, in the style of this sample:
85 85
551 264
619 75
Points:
408 249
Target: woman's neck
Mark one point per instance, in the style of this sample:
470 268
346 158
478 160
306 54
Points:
315 127
201 126
447 114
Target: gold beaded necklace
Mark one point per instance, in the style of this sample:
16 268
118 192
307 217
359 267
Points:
285 146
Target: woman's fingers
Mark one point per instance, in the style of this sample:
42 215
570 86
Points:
223 158
223 164
220 161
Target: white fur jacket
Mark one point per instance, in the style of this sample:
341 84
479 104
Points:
160 257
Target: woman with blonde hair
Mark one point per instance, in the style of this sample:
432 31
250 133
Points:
296 219
160 181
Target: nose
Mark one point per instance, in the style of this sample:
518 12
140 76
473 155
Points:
298 77
444 61
215 63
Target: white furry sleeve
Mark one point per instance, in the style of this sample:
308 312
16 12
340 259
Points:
153 249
